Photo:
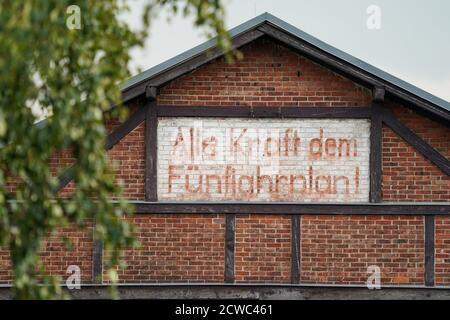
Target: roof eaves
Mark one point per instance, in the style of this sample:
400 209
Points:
357 62
191 53
288 28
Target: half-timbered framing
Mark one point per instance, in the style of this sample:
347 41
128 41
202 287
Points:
145 87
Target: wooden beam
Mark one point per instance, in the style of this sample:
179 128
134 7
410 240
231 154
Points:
125 128
429 250
433 208
151 141
376 136
230 234
414 140
65 178
151 93
295 249
113 138
318 54
264 112
97 262
188 66
378 94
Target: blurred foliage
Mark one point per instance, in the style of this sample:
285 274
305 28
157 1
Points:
72 74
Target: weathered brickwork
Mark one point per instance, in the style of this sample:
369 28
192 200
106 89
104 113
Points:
127 158
57 255
338 249
5 267
334 249
263 160
66 247
269 75
176 248
408 175
442 250
263 248
430 131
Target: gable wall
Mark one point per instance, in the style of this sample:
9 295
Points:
269 75
334 249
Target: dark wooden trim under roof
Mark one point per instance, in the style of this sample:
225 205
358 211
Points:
291 208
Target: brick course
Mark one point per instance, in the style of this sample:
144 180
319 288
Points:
176 248
338 249
263 248
67 246
269 75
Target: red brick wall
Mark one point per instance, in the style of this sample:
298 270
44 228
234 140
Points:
57 255
5 267
269 75
338 249
128 159
430 131
176 248
442 250
334 249
263 248
407 174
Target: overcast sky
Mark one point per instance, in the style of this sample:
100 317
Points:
413 42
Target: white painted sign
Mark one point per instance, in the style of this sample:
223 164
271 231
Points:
229 159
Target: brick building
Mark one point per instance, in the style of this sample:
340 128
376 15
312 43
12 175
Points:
294 169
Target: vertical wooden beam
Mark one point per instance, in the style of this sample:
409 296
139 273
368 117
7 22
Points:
376 136
429 250
230 233
295 248
151 142
97 261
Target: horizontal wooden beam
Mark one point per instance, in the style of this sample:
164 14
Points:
292 208
414 140
263 112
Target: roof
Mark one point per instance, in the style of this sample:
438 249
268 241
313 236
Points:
374 76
